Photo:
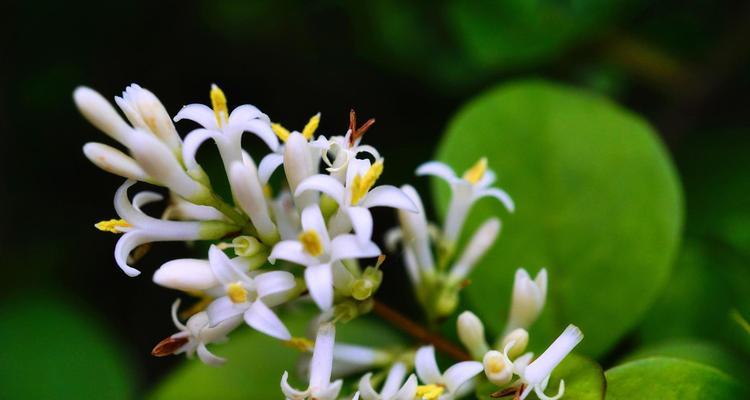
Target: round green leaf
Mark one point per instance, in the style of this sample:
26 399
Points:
53 351
670 379
256 362
584 380
597 203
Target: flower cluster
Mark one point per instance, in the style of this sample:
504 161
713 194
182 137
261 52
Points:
311 240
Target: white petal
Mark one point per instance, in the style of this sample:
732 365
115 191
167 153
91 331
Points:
114 161
223 268
346 247
289 391
458 374
268 165
262 319
361 220
555 353
322 359
560 391
125 245
330 392
319 280
186 274
324 184
193 141
207 357
393 381
409 390
223 309
365 388
260 128
100 113
478 245
389 196
199 113
248 192
356 167
273 282
437 168
312 219
500 195
426 366
359 355
292 251
247 112
175 320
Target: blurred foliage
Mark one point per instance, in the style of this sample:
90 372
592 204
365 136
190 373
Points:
670 379
53 350
257 361
599 205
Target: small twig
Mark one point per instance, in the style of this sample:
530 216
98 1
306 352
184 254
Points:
419 332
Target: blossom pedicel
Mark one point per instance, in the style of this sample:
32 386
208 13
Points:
309 240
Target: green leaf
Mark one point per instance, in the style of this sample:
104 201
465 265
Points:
256 362
597 203
670 379
53 351
711 354
584 380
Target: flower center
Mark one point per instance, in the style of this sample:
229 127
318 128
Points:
311 242
219 104
476 172
312 125
236 292
362 184
304 345
280 131
495 365
429 392
113 225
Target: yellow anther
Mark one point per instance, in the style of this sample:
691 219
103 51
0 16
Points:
362 184
311 127
219 104
113 225
237 293
304 345
429 392
267 191
477 171
311 242
280 131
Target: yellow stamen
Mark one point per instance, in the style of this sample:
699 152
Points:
267 191
237 293
311 242
311 126
219 104
429 392
280 131
304 345
362 185
113 225
477 171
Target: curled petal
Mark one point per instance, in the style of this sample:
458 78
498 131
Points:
389 196
199 113
193 141
365 388
426 366
289 391
324 184
498 194
209 358
437 168
268 165
126 244
460 373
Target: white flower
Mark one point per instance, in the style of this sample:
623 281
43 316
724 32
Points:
471 333
478 245
248 192
320 387
144 110
415 232
466 190
286 216
351 358
194 335
140 228
224 128
448 385
537 374
317 252
249 297
186 274
528 299
392 388
356 197
520 339
153 160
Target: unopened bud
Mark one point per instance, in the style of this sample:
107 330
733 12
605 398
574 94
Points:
528 299
497 367
471 334
520 339
246 246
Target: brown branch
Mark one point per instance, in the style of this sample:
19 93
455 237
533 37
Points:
419 332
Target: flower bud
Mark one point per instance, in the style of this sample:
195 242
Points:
299 165
114 161
187 274
528 299
248 192
520 339
415 232
482 240
100 113
246 246
471 334
144 111
364 287
497 368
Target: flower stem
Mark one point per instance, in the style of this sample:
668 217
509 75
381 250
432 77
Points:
419 332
